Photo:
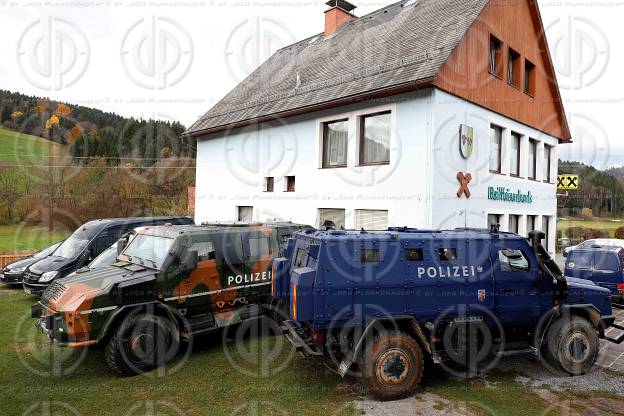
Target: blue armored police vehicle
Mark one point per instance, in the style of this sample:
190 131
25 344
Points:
381 305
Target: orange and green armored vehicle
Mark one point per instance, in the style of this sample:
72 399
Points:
169 284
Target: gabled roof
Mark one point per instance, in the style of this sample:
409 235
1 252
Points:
389 51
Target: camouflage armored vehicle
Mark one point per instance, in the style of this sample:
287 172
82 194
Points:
169 283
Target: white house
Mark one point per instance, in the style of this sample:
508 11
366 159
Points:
426 113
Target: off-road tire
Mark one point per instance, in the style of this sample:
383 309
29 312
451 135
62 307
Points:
118 355
397 353
560 339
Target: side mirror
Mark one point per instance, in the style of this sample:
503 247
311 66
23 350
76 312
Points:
121 244
191 260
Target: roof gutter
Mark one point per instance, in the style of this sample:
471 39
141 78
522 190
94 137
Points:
353 99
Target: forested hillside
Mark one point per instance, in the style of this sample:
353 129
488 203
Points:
600 191
94 134
62 164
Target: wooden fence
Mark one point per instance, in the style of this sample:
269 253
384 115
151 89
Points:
6 259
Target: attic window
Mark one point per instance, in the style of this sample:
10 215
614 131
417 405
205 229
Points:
496 57
529 78
513 69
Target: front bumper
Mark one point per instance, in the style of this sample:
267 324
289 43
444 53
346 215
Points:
11 278
34 288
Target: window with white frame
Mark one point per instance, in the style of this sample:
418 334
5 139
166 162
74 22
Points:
496 148
514 223
532 159
375 133
372 220
335 143
548 151
331 218
515 154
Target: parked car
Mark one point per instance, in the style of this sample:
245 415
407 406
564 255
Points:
108 256
13 273
179 281
603 265
608 242
84 245
390 301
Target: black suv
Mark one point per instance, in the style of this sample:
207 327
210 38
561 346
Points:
85 244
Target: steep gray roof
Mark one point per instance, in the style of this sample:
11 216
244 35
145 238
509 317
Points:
403 43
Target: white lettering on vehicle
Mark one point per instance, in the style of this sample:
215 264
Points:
249 278
448 271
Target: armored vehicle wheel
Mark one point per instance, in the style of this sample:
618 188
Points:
574 345
142 343
393 365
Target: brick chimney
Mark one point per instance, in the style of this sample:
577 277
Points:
338 15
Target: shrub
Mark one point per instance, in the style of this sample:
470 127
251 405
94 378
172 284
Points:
619 233
586 233
587 213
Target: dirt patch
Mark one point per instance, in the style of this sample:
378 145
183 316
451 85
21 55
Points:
424 404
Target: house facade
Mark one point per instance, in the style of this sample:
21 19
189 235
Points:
429 114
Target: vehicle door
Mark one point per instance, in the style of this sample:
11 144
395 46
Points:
200 290
517 295
607 269
230 260
260 246
462 269
102 242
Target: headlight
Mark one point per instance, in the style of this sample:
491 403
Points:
47 276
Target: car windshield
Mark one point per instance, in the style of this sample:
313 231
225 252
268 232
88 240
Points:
108 257
76 243
47 251
148 250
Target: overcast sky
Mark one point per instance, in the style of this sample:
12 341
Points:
174 59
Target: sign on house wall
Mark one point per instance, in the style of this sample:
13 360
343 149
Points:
506 195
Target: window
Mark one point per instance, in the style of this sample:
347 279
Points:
414 254
300 258
494 219
513 261
607 262
269 184
335 143
496 141
514 221
515 154
290 184
371 220
331 218
205 250
547 163
370 255
529 78
532 159
578 259
375 139
495 57
531 220
259 247
245 214
448 254
513 69
546 230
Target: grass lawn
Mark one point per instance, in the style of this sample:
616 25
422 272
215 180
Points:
602 224
26 149
18 238
259 376
254 376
